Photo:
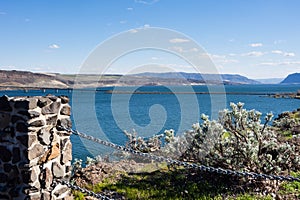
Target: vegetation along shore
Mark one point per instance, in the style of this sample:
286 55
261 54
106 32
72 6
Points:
240 141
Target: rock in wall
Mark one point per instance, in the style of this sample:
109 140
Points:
34 150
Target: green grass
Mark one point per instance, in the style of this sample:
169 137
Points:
250 197
157 186
172 184
78 195
287 134
291 188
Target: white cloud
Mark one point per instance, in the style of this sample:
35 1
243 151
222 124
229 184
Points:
215 56
178 67
256 45
53 46
178 49
146 26
230 61
287 54
194 49
181 49
36 69
28 68
8 67
179 40
146 2
123 22
133 31
277 52
254 54
269 63
281 63
221 59
130 9
279 41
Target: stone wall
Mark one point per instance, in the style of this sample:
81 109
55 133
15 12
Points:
34 152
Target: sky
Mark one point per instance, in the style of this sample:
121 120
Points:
254 38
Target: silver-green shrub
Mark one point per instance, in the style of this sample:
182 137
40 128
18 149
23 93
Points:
144 145
288 123
237 140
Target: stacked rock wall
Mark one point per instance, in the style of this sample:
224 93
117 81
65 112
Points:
34 151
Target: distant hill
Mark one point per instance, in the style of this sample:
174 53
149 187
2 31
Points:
292 79
29 79
25 79
235 78
270 80
203 78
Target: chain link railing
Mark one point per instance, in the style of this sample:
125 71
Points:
174 162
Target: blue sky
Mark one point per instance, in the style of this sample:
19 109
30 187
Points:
257 38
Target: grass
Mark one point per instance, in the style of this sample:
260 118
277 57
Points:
291 188
287 134
157 185
178 184
78 195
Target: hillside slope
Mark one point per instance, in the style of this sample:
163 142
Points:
292 79
29 79
203 78
12 79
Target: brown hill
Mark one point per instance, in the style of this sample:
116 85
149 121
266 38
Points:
24 79
16 79
29 79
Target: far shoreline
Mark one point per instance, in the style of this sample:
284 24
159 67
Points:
109 90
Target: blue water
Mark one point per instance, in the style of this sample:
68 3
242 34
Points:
106 115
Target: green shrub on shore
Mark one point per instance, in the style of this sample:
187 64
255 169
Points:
288 123
238 140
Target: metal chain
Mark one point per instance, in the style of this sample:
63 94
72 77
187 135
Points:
83 190
182 163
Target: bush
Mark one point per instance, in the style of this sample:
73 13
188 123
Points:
237 141
288 123
145 145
